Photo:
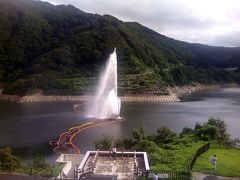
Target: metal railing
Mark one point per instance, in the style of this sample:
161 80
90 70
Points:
225 144
19 169
168 175
200 151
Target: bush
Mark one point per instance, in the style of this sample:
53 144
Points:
39 162
139 134
6 157
104 143
165 135
146 145
186 131
186 140
124 144
170 146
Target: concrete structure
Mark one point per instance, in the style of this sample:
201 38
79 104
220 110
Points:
72 161
104 165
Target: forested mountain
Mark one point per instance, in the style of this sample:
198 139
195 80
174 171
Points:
60 49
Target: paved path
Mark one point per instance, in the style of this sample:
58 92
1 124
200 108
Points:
201 176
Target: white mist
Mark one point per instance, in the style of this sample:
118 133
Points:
106 104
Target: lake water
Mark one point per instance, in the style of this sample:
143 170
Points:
30 126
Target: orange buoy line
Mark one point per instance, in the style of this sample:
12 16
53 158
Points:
64 143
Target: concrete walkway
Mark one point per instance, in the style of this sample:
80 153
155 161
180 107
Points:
201 176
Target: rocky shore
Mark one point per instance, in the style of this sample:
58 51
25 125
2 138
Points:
185 90
174 94
41 98
6 97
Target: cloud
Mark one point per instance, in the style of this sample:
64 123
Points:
201 21
228 39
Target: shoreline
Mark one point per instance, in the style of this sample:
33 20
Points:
175 93
129 98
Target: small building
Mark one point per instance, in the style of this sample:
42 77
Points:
104 165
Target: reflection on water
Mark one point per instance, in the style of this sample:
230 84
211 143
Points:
33 124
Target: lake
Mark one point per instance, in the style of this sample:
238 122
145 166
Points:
29 126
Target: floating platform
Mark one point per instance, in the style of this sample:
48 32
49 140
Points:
64 145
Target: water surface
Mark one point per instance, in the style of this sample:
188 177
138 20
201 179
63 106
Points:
32 125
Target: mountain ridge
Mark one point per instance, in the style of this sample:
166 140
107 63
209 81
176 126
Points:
57 49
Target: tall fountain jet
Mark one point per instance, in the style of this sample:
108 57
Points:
106 104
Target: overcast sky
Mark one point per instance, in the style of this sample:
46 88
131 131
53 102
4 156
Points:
213 22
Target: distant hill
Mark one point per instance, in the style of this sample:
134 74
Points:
61 49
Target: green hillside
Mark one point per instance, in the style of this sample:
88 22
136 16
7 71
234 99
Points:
61 50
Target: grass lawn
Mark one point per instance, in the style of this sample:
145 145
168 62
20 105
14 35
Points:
228 162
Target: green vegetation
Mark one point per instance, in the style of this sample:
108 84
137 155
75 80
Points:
227 165
104 143
39 162
173 153
214 129
39 167
6 157
173 157
55 49
167 150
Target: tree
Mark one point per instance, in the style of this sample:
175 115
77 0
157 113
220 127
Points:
6 157
186 131
221 134
207 132
104 143
139 134
39 162
43 38
165 135
214 129
146 145
197 127
124 144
